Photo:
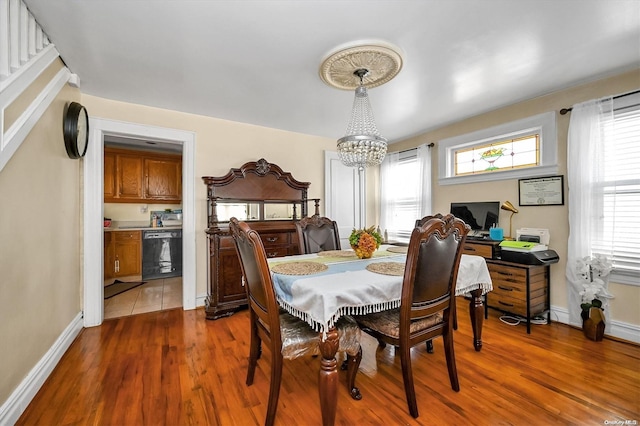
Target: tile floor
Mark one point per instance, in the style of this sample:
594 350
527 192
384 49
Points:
154 295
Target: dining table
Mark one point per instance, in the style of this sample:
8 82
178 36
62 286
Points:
321 287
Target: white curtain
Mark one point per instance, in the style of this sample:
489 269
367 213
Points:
405 194
388 169
424 162
589 129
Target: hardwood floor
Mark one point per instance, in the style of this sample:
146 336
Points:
177 368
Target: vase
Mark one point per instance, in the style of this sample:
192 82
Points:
593 327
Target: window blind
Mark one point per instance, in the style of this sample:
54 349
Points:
619 232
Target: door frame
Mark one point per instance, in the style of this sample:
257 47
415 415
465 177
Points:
93 192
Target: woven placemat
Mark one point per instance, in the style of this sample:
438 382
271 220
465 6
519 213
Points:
299 268
337 253
394 249
387 268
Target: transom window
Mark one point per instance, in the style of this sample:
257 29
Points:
503 155
519 149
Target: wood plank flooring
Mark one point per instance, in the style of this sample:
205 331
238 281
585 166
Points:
177 368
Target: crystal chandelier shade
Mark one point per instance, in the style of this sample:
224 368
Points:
372 63
362 146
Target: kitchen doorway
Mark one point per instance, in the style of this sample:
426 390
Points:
93 303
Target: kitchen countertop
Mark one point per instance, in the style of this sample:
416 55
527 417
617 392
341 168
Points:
137 226
141 228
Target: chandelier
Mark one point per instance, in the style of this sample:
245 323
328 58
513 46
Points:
362 146
372 64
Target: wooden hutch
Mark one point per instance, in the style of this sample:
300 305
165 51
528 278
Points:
271 201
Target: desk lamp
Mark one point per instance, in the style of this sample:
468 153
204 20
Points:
510 208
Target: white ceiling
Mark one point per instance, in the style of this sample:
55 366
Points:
257 61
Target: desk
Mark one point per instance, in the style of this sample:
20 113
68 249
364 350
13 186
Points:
347 288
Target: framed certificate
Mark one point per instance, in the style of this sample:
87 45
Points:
542 191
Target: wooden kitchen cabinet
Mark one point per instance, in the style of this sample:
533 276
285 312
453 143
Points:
110 187
163 179
141 177
271 201
122 255
109 257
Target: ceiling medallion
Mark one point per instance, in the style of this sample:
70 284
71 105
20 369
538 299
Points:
381 59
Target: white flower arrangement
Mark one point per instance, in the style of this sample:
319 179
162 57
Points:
594 271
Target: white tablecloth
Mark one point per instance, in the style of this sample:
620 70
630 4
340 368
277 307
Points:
347 288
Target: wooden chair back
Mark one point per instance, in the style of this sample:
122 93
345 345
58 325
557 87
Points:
316 234
430 276
263 306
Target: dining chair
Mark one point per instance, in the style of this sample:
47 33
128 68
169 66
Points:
286 336
427 300
419 223
317 233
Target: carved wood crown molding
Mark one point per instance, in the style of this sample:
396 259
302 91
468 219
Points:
261 168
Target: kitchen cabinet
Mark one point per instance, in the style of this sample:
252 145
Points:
163 179
123 254
109 257
141 177
109 175
270 201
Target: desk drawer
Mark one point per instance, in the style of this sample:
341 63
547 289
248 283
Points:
478 250
517 305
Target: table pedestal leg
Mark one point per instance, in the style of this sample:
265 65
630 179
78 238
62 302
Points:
328 378
476 311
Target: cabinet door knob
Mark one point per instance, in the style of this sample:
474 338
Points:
272 239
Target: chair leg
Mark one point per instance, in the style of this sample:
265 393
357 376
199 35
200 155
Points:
407 377
430 346
455 314
451 359
274 388
254 354
353 363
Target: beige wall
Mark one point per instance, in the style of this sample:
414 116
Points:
221 145
40 252
625 305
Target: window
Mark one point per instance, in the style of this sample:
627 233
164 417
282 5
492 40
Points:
523 148
502 155
618 195
405 191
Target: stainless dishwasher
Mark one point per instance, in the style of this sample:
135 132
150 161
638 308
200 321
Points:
161 253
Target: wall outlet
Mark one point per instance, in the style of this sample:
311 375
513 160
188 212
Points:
144 208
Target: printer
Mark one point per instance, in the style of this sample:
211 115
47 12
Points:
528 253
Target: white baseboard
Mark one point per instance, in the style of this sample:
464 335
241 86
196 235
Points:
620 330
200 300
15 405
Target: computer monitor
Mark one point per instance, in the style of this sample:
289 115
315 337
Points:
480 216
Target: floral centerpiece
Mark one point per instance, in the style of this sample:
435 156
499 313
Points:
594 273
365 241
